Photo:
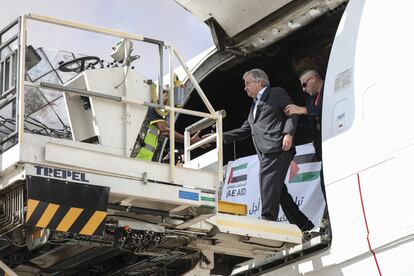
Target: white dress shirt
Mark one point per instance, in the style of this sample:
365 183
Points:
256 101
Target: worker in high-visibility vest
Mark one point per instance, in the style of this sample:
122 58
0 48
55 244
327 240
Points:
158 124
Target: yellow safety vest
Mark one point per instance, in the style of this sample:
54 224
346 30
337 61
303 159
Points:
151 138
151 142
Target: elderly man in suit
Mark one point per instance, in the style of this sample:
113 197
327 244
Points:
272 133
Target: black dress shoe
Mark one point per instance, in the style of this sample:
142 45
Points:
307 236
307 226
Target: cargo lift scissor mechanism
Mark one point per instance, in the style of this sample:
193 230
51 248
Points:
55 189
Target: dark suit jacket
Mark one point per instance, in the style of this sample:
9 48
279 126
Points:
270 124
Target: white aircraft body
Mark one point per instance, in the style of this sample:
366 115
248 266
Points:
76 199
368 136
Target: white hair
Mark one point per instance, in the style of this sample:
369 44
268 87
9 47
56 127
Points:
258 75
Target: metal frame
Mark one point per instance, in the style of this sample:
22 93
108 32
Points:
172 51
14 62
11 59
13 133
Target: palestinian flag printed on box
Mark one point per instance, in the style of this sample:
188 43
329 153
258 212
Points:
302 168
303 181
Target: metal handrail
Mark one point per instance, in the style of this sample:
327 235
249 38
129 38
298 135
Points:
88 93
173 52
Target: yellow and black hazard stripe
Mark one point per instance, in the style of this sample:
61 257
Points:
66 206
64 218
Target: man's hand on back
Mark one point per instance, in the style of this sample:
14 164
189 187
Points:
291 109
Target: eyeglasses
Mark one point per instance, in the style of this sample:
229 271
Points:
304 84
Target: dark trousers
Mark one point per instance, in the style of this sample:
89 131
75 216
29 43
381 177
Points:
273 190
317 144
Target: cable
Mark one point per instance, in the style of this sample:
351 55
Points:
259 244
126 74
14 243
132 218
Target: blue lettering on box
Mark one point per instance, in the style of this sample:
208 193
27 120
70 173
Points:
188 195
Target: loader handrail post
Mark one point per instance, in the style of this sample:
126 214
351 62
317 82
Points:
172 115
160 79
219 143
21 77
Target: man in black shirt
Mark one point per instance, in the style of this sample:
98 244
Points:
312 84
